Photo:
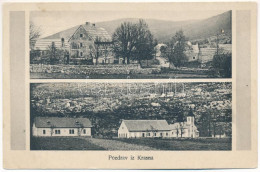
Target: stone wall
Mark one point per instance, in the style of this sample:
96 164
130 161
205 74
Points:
92 69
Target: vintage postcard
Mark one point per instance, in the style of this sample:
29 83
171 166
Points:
130 85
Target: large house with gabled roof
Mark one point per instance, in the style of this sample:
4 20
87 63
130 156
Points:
61 126
143 128
85 42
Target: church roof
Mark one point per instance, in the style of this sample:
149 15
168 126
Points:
147 125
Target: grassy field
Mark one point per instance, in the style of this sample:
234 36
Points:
62 143
76 143
183 144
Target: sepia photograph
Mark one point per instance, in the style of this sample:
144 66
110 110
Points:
130 44
131 116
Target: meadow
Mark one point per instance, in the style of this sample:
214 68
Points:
81 143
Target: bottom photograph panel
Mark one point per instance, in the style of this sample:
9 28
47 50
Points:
131 116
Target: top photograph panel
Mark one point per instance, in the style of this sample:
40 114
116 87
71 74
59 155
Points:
130 44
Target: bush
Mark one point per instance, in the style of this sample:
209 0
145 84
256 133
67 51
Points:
222 65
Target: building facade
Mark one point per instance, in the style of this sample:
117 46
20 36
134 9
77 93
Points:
158 128
143 129
85 42
60 126
185 129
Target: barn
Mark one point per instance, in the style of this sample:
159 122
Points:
61 126
143 128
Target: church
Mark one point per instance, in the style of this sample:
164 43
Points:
158 128
185 129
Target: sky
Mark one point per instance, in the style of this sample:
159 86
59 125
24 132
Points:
54 21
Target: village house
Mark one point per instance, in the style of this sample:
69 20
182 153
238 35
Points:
185 129
85 42
61 126
192 52
143 128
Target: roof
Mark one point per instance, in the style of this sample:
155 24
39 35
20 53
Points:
93 31
147 125
61 122
100 32
43 44
66 34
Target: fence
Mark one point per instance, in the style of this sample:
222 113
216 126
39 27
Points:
92 69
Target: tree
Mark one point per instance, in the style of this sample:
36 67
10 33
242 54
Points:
80 127
181 128
97 46
35 33
180 120
222 64
153 130
55 54
176 49
52 52
163 50
124 40
52 128
133 41
177 131
144 48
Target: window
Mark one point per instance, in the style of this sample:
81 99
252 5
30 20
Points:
147 134
81 54
43 132
71 131
161 134
57 131
154 134
84 131
193 57
80 44
166 134
81 35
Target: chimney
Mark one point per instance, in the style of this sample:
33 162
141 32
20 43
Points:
87 23
93 24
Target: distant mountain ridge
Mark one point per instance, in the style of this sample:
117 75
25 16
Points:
193 29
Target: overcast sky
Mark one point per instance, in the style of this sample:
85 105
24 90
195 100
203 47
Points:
53 22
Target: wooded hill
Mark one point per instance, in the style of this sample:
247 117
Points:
193 29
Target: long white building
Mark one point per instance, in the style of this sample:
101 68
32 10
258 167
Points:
61 126
158 128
